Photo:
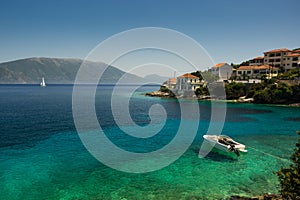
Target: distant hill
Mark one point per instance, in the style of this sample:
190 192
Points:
55 71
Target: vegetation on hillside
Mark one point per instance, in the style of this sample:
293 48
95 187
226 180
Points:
290 75
245 63
289 178
280 90
270 91
206 75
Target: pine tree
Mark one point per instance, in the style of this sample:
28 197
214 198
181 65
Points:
289 178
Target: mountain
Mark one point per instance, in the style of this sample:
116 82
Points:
57 70
154 78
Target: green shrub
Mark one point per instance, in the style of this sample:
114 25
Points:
202 91
235 90
262 96
164 89
289 178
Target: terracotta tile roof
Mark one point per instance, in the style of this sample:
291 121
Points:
188 76
260 67
278 50
258 58
219 65
293 55
172 80
296 51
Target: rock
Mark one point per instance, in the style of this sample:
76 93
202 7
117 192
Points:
261 197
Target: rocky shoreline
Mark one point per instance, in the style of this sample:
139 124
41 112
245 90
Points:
261 197
158 94
207 97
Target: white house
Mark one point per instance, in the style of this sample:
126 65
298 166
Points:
222 70
170 83
187 83
256 72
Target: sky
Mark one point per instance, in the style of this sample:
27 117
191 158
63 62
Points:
229 30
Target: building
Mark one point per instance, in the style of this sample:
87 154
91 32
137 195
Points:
292 60
256 72
170 83
256 61
277 58
187 83
284 59
222 70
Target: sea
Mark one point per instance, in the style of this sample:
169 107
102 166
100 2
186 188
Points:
42 155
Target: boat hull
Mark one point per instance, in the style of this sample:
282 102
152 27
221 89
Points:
213 140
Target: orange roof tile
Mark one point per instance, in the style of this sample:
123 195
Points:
293 55
188 76
260 67
296 51
278 50
219 65
258 58
172 80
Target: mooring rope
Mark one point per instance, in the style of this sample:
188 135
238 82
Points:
276 157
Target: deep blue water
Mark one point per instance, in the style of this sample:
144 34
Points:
42 157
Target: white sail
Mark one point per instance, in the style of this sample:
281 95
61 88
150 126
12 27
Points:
43 84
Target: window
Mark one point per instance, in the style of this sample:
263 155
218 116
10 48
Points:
271 60
266 60
239 72
283 58
294 65
295 59
288 58
278 54
256 71
248 72
272 55
277 60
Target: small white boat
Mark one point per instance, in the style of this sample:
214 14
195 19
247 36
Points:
225 143
43 84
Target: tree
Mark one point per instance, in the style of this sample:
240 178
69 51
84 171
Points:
209 77
289 178
235 90
202 91
164 89
198 74
253 89
245 63
262 96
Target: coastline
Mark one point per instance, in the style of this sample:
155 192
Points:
208 98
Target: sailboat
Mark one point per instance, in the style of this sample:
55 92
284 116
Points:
43 84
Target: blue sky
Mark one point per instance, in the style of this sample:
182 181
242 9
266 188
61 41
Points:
230 30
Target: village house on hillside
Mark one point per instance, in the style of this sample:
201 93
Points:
256 61
222 70
283 59
256 72
170 83
187 83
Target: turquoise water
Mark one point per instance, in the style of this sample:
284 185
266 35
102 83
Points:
42 157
